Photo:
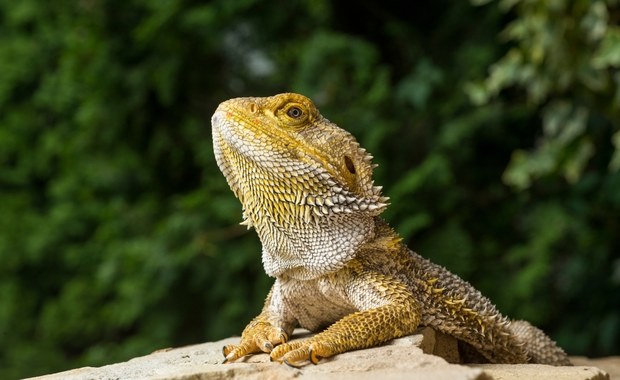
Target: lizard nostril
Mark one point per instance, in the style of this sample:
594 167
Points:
253 107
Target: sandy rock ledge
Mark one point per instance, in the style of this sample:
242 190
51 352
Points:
404 358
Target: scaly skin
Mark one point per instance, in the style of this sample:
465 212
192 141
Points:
306 187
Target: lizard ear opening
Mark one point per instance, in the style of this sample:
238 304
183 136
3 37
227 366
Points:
348 162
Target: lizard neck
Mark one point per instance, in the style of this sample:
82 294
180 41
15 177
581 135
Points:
311 252
298 240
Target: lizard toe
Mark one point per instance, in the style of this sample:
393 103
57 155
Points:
297 358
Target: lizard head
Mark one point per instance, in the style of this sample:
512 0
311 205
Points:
282 147
305 184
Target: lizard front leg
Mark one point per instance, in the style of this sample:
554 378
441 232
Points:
387 311
270 328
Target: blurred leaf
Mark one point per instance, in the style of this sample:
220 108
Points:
417 87
119 235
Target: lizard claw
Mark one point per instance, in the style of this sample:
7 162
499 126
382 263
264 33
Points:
283 336
314 359
226 351
291 364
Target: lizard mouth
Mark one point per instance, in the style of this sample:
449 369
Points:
226 136
231 133
216 119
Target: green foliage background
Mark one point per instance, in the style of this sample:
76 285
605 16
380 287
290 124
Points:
495 124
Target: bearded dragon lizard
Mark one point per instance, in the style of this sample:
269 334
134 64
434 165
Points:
306 187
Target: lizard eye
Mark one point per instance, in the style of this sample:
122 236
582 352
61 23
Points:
295 112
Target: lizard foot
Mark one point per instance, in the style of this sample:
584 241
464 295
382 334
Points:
257 337
298 353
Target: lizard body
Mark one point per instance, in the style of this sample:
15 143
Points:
306 187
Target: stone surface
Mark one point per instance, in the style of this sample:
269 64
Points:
404 358
611 364
541 372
